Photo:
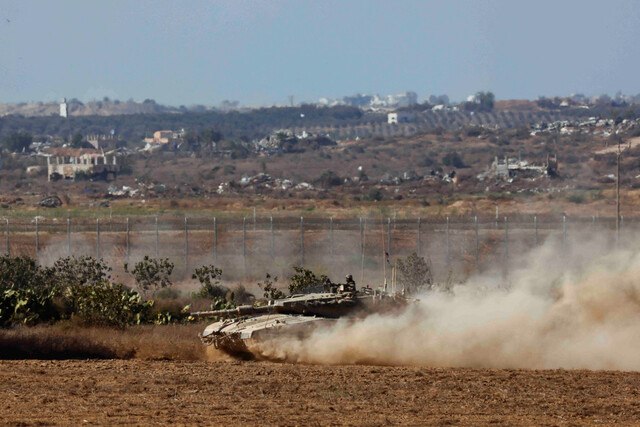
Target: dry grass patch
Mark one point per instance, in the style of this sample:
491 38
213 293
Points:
68 341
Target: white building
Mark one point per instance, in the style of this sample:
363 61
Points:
63 108
400 117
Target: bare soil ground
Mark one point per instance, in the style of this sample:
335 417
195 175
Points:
116 392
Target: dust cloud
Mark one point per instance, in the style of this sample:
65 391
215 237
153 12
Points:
571 309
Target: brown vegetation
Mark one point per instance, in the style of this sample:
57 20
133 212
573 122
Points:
65 340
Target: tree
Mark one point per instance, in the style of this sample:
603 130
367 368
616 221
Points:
211 135
191 141
452 158
329 179
18 142
486 100
414 274
76 140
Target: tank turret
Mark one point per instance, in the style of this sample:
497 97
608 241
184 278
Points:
331 304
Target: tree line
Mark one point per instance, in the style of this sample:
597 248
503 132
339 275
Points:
234 124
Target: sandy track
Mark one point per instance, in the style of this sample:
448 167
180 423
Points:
252 393
627 145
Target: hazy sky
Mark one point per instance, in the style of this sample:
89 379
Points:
259 52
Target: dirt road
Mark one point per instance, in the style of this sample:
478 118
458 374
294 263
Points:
627 145
118 392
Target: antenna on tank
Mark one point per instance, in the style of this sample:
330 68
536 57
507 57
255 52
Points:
364 239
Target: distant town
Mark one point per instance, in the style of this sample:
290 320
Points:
358 149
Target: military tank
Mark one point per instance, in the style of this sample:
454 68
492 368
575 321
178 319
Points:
241 331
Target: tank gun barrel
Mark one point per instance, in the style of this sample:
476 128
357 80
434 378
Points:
242 310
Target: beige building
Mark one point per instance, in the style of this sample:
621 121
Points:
164 137
66 163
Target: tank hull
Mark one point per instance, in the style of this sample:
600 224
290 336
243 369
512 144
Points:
248 337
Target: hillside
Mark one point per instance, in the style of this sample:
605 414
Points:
435 171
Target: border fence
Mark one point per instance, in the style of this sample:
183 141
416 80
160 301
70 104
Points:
249 247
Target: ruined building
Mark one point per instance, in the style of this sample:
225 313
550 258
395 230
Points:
67 163
507 168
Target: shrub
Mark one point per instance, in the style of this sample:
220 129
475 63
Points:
152 273
269 288
76 288
305 280
28 305
107 304
453 159
374 194
81 271
83 176
577 198
241 296
473 131
329 179
27 291
167 294
426 162
209 278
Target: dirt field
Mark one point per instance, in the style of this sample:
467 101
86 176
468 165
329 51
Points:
117 392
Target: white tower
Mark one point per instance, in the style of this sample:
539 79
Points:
63 108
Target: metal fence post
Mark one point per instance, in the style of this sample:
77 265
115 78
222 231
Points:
564 233
157 239
448 245
389 238
302 241
419 237
331 239
97 238
535 231
361 239
68 236
244 246
186 246
506 241
477 242
7 237
128 254
215 240
273 240
37 239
